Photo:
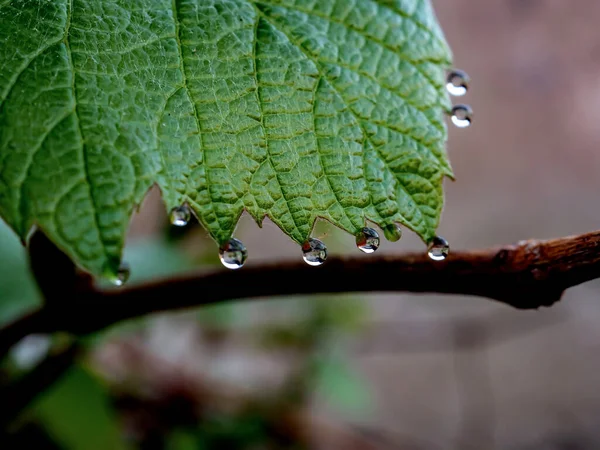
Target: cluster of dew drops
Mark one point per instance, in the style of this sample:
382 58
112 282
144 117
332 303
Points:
457 85
233 254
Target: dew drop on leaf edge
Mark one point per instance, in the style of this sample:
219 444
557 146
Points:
392 232
122 275
439 249
462 116
180 216
314 252
367 240
457 83
233 254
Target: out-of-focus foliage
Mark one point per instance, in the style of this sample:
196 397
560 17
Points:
339 384
77 413
83 411
18 292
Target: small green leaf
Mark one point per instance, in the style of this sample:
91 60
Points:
78 414
182 440
292 109
18 291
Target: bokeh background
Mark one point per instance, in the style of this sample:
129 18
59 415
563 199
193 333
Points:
382 371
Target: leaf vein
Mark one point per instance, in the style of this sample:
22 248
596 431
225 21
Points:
357 119
262 123
29 165
319 61
21 70
86 169
397 51
319 151
184 74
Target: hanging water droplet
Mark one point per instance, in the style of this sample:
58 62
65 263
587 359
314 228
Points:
439 249
367 240
314 252
458 82
392 232
180 216
122 275
233 254
462 116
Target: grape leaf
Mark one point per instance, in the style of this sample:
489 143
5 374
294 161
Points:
292 109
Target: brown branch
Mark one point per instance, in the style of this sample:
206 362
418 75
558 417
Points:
528 275
59 283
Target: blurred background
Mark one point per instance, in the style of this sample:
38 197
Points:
383 371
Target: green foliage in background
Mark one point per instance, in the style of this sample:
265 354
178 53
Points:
150 258
77 413
294 109
18 291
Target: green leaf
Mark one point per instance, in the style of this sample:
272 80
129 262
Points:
294 109
78 414
182 440
151 258
18 291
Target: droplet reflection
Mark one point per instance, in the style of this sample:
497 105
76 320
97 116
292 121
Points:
457 83
180 216
439 249
314 252
122 275
233 254
462 116
367 240
392 232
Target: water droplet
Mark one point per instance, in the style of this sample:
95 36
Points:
180 216
392 232
30 350
439 249
314 252
458 83
462 116
122 275
233 254
367 240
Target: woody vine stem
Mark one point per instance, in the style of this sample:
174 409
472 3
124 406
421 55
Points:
527 275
